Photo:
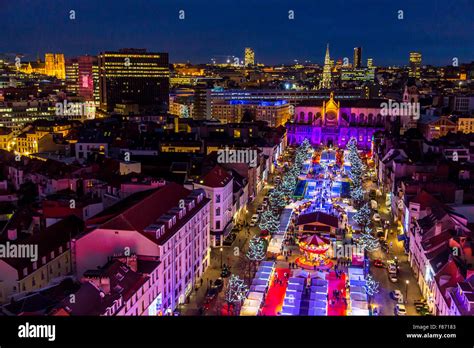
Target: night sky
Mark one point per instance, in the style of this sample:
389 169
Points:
439 29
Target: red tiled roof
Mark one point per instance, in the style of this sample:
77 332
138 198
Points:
143 209
424 199
450 276
216 177
148 210
318 217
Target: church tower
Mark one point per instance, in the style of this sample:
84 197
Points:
325 83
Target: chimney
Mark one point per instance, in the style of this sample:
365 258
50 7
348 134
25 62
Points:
438 227
105 284
12 234
132 262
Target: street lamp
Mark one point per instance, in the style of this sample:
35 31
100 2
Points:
221 256
406 291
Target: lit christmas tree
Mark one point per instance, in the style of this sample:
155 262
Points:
371 286
277 198
368 242
235 292
357 171
257 249
362 217
357 194
269 221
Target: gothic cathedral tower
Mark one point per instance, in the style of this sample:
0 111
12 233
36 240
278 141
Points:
325 83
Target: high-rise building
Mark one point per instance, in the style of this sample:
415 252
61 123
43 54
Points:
55 65
72 76
202 103
326 80
370 63
249 56
357 57
415 64
79 77
134 76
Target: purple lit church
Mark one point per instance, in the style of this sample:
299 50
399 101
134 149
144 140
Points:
333 123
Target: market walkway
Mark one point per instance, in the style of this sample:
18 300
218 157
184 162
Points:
339 308
276 293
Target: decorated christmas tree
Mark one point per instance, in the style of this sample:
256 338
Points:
269 221
257 249
371 286
235 292
368 242
362 217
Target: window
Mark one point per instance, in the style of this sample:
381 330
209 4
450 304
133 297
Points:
218 211
218 225
218 198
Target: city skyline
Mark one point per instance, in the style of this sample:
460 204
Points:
111 25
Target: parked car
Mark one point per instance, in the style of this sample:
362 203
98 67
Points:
376 217
229 240
225 272
379 229
211 294
260 209
393 277
253 220
396 294
400 309
378 263
421 301
392 268
219 284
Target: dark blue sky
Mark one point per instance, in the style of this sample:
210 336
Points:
439 29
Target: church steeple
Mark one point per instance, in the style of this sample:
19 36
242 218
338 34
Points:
325 82
327 58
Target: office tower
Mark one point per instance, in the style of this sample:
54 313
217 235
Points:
134 76
55 65
249 56
86 83
370 63
415 64
79 77
72 76
326 80
357 57
202 103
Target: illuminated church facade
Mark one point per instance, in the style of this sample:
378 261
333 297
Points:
333 123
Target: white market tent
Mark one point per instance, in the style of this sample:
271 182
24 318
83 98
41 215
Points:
252 303
258 288
357 296
257 296
357 289
318 296
361 312
359 304
319 282
294 280
318 311
295 288
323 289
294 295
249 311
317 304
